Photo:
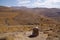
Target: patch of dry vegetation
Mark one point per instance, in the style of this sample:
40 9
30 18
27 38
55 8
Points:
22 20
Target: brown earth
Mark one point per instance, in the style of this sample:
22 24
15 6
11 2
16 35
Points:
20 20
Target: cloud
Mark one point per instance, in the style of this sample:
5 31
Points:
48 3
40 3
23 1
53 3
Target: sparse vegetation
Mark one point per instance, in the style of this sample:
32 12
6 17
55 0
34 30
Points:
13 20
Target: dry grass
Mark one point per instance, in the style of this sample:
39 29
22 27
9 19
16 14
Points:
19 21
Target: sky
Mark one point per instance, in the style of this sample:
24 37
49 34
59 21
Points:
31 3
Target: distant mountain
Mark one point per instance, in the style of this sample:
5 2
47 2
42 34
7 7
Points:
53 13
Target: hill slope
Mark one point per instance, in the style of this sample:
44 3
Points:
10 17
23 17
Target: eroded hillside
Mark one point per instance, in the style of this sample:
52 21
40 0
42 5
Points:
22 17
18 20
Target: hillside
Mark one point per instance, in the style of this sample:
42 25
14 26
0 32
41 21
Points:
53 13
46 19
24 16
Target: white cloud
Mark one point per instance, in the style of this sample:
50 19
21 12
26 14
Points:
48 3
40 3
52 3
23 1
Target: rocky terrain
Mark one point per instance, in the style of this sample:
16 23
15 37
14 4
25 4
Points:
15 22
20 33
